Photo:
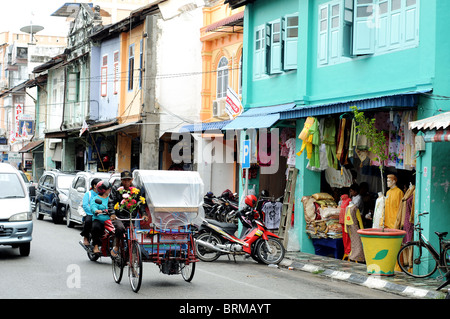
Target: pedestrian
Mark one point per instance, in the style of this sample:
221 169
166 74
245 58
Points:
356 197
87 226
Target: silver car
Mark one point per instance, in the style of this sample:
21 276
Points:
16 222
80 185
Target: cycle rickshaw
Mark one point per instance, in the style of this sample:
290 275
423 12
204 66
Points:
174 200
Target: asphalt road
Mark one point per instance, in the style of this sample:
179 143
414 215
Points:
58 268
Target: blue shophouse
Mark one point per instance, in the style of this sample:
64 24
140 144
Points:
316 58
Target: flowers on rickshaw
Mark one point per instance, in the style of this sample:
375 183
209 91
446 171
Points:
130 199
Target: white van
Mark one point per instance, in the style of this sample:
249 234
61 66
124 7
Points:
16 222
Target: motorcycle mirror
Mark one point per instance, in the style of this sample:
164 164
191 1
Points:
98 201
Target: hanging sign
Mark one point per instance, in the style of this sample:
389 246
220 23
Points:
233 105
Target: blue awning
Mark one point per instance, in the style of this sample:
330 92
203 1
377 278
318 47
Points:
201 127
259 117
405 100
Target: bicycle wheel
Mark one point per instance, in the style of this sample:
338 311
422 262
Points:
118 263
135 267
416 260
188 271
446 254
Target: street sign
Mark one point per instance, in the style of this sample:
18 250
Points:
246 154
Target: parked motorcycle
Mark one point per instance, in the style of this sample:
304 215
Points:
215 238
222 208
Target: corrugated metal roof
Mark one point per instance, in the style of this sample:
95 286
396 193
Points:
437 122
401 100
201 127
234 20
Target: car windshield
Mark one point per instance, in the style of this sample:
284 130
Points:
10 186
24 177
64 181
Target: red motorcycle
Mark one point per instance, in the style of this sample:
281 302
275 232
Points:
214 238
106 243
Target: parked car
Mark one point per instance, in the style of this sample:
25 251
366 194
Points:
80 185
52 195
31 188
16 222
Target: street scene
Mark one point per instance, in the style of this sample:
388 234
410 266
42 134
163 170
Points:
225 151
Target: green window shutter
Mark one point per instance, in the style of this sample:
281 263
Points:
290 24
275 65
335 30
322 54
364 27
411 22
268 41
347 29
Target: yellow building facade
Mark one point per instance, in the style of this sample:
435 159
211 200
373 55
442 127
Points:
222 42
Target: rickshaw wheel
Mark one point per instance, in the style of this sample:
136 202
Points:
188 271
135 267
118 264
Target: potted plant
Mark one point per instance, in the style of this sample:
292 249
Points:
381 245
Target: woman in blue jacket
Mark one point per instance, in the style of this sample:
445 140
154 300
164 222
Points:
86 206
100 213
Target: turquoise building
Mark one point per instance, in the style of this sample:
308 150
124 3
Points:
319 57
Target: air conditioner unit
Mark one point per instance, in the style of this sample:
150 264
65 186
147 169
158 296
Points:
219 108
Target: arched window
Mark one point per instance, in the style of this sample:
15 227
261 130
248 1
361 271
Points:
222 78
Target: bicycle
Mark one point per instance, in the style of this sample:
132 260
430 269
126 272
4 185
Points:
421 256
129 254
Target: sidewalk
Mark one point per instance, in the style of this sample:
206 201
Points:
356 273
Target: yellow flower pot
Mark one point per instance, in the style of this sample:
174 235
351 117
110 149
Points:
381 249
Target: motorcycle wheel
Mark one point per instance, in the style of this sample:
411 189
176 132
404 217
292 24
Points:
270 251
205 254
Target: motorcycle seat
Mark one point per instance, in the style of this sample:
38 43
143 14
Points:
227 227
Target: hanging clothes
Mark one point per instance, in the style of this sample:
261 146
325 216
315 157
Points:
343 140
353 223
409 219
314 160
353 139
272 212
329 139
402 219
345 201
306 137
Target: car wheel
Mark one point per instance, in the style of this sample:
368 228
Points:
24 249
57 219
38 211
69 223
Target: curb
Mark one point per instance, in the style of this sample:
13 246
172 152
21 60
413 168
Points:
374 282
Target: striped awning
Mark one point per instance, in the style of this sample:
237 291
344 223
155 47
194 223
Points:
435 136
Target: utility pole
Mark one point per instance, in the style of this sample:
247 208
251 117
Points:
149 157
